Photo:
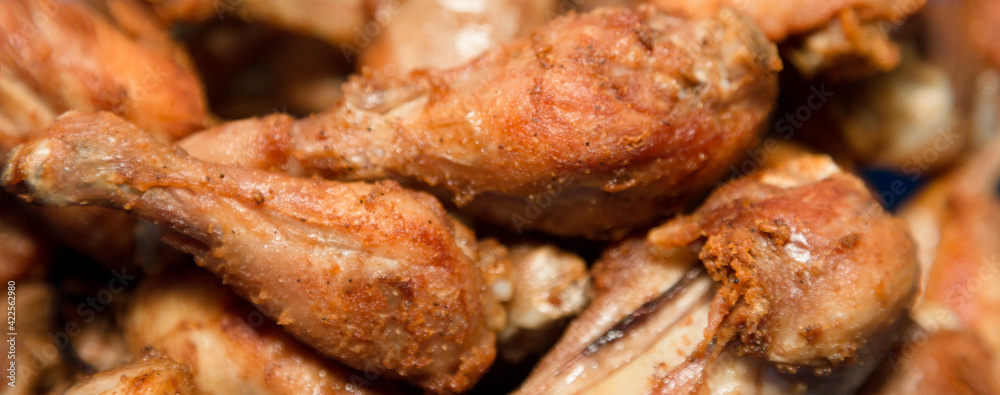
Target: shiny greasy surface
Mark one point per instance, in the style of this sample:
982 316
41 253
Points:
367 274
590 126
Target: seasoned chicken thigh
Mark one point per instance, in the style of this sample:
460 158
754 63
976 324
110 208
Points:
591 126
367 274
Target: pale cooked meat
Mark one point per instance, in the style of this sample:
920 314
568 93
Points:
231 347
445 34
591 126
59 55
367 274
546 287
795 252
151 374
340 22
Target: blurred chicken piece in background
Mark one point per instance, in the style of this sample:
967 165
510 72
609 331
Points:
231 347
151 373
447 33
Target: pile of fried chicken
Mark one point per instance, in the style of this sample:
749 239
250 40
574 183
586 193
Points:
509 196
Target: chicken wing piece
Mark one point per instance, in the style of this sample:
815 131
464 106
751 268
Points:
60 55
372 275
593 125
152 374
441 34
231 347
794 250
841 39
343 22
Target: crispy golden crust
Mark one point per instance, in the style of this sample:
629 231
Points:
60 55
230 346
153 374
368 274
592 125
813 270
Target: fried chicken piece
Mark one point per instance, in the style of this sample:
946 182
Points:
842 39
594 125
794 250
372 275
945 362
984 28
440 34
152 374
895 119
342 22
61 55
955 221
231 347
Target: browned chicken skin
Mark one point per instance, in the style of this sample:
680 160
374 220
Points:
62 55
812 273
231 347
152 374
99 55
591 126
367 274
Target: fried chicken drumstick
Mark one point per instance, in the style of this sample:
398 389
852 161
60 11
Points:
366 274
811 275
590 126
